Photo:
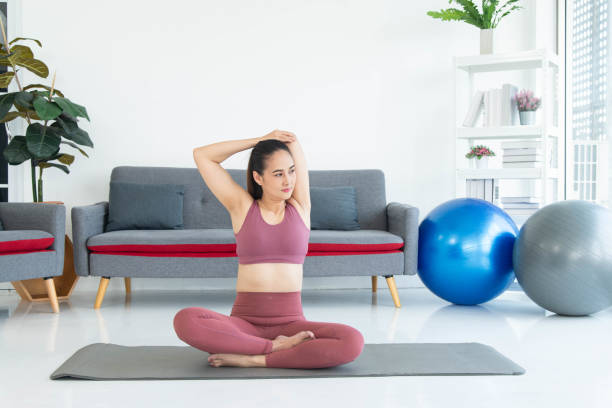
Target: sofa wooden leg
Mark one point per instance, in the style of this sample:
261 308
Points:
393 289
374 283
101 291
128 285
52 294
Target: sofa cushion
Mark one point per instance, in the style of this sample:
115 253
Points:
333 208
19 241
145 206
220 242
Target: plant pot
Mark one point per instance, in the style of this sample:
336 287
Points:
482 163
486 41
527 117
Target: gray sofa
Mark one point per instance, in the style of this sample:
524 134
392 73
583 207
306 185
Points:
32 246
385 245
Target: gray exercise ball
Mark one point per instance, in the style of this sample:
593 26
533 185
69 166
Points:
563 257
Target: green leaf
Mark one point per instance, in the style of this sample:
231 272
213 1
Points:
16 152
66 158
48 88
6 78
24 99
6 103
69 128
45 165
12 115
76 147
22 51
33 65
472 12
488 9
4 58
504 10
23 38
70 107
46 110
448 14
42 141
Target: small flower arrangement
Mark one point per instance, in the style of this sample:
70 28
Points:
525 101
479 152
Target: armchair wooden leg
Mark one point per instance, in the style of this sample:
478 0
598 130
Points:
128 286
52 294
393 289
101 291
374 283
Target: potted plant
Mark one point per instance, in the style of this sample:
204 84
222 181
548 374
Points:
481 153
487 20
38 105
527 105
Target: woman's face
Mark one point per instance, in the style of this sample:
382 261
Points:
278 179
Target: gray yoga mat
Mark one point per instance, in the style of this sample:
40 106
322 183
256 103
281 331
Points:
102 361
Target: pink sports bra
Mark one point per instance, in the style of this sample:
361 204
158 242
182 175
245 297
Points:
260 242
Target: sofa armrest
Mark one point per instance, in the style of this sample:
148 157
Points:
87 221
50 218
403 220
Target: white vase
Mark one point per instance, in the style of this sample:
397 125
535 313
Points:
482 163
527 117
486 41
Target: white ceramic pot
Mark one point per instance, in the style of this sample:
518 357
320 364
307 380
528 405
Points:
486 41
527 117
482 163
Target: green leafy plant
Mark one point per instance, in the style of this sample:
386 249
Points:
36 103
490 16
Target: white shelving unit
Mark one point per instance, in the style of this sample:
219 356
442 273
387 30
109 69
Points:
548 131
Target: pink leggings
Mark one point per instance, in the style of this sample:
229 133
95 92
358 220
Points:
256 319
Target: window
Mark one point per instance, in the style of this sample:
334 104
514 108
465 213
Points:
587 43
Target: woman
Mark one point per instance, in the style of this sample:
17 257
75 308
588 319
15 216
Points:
271 223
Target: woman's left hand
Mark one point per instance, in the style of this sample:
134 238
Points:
282 135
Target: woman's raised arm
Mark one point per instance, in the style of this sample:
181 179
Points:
208 160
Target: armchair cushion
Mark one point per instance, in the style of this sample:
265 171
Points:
145 206
12 242
333 208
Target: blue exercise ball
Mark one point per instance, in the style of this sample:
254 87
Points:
465 251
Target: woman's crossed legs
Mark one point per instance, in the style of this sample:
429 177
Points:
233 340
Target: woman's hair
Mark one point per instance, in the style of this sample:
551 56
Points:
260 153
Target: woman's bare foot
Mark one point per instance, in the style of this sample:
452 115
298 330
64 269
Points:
237 360
283 342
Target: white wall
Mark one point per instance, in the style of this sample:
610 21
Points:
363 84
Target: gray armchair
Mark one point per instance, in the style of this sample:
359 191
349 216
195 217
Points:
32 245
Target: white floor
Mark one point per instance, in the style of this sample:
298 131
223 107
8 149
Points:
568 360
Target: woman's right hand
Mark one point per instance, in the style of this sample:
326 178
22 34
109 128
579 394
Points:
282 135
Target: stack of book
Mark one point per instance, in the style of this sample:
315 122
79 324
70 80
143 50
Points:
520 208
522 154
497 106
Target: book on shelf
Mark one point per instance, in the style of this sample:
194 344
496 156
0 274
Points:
484 189
525 199
519 206
522 158
509 109
474 110
497 106
521 152
522 144
522 165
519 212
